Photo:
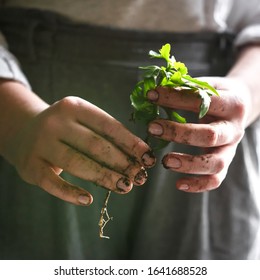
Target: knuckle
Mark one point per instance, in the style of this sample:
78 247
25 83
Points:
240 108
105 179
219 165
214 182
208 183
212 136
112 127
68 103
139 147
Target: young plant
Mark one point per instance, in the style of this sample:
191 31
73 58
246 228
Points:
173 74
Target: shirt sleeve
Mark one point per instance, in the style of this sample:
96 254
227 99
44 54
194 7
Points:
250 34
245 21
9 65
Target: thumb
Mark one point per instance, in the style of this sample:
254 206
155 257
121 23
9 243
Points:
52 183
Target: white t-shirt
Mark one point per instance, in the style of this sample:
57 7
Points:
237 16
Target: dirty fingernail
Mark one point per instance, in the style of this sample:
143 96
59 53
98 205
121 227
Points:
148 159
141 177
152 95
173 162
84 199
123 185
155 129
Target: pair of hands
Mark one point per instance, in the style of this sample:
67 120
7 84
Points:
81 139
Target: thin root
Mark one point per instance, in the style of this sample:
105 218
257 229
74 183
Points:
104 217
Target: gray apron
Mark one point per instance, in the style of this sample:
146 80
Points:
156 221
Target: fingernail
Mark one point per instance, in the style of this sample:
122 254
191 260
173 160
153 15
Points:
184 187
141 177
123 185
148 159
155 129
152 95
84 199
173 162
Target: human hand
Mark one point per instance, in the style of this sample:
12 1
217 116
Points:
219 132
81 139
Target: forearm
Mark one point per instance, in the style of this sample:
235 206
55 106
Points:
18 104
247 69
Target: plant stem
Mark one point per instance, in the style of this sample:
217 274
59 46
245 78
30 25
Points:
104 217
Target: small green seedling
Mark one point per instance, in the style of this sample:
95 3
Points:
173 74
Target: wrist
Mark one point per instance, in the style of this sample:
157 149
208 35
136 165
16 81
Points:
245 73
18 106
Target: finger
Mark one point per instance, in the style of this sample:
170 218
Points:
56 186
104 152
185 99
80 165
197 184
206 164
108 127
229 100
211 170
200 135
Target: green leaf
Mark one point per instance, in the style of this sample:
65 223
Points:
201 84
154 54
180 67
166 82
148 113
165 51
205 103
138 101
173 74
176 78
149 83
137 98
152 70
